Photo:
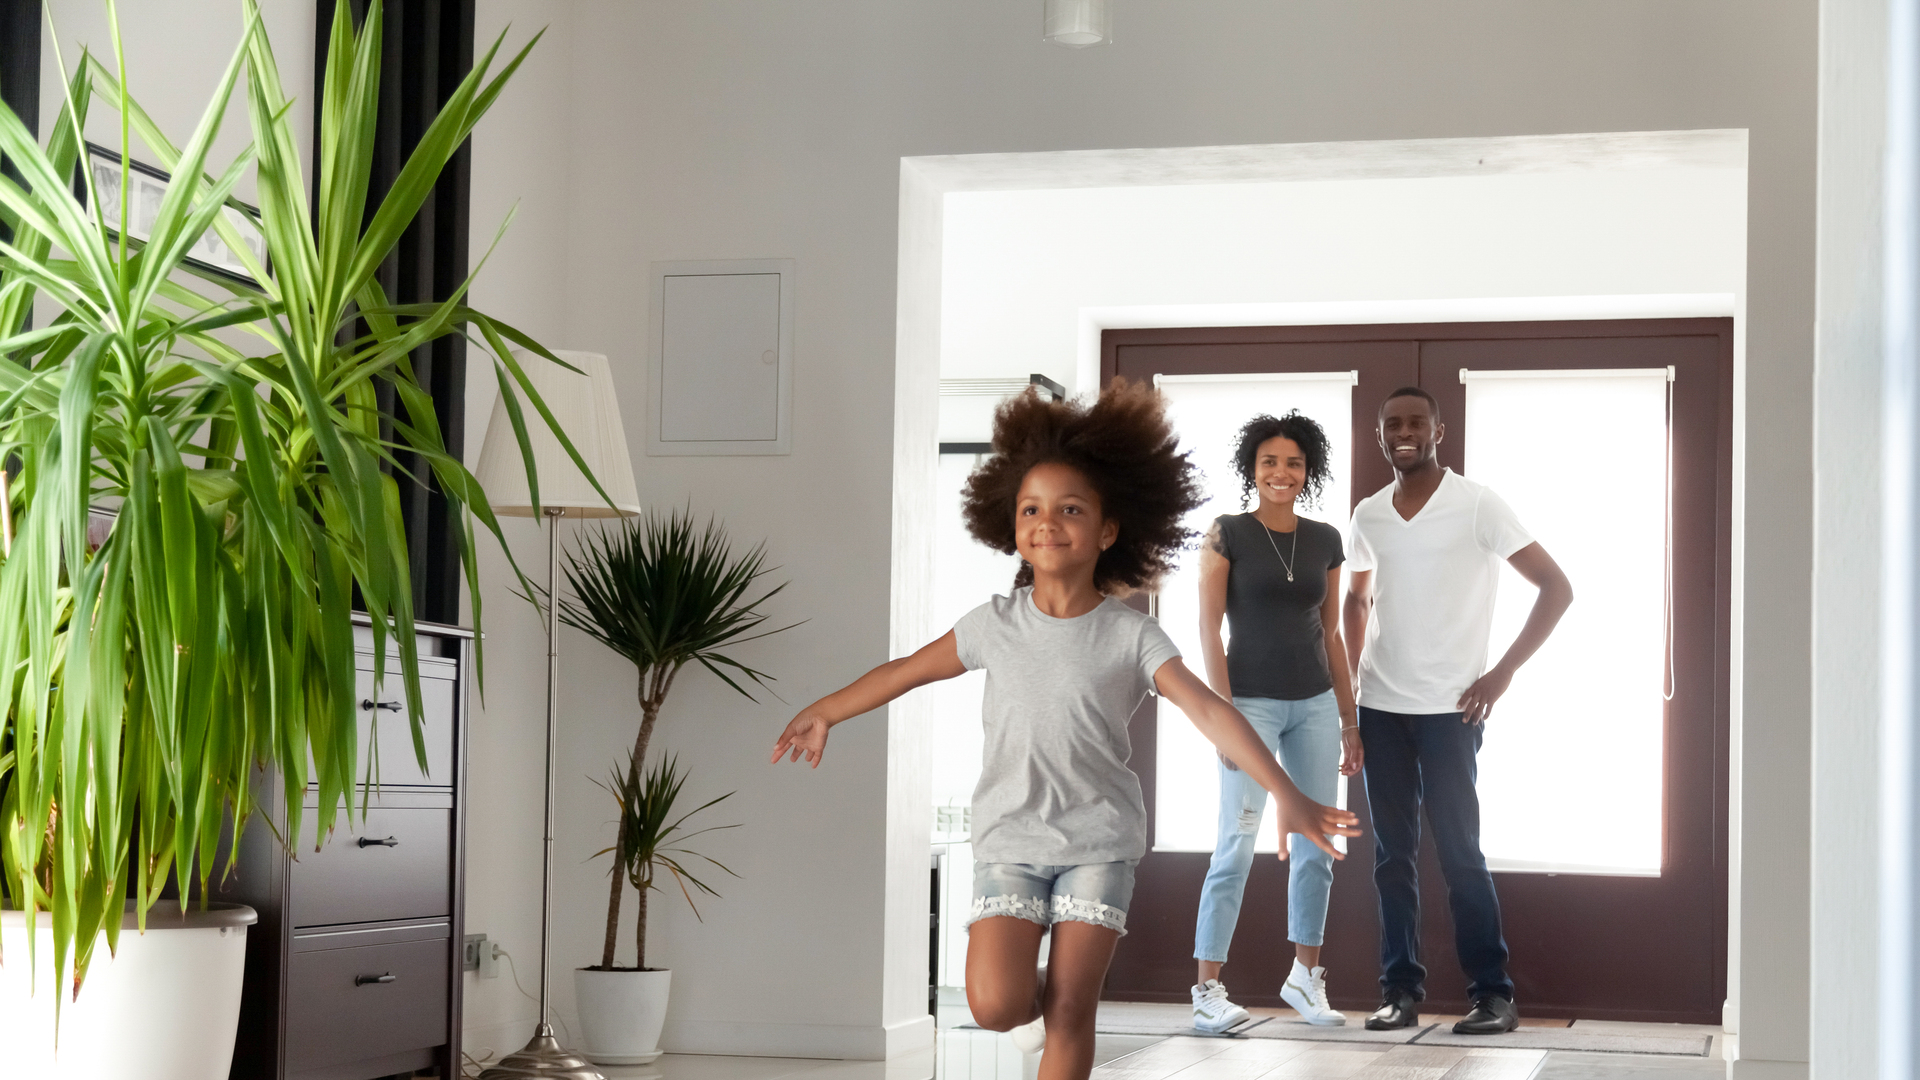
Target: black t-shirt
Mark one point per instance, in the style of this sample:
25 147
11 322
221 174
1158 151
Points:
1278 648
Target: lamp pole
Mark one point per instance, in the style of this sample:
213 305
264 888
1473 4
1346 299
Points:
544 1058
553 516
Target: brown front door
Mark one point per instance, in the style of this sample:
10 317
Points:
1589 946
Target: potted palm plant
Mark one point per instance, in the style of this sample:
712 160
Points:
623 1010
664 593
234 427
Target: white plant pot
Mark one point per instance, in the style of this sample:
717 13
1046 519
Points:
166 1007
621 1013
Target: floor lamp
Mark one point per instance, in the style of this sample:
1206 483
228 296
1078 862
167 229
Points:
588 411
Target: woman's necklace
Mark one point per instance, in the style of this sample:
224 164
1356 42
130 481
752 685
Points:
1276 547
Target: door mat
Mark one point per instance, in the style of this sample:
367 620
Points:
1353 1031
1150 1018
1573 1038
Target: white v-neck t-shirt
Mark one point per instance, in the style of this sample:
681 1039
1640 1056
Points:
1434 582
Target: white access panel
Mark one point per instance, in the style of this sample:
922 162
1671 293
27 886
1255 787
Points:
721 364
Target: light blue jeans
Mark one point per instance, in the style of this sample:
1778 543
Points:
1306 735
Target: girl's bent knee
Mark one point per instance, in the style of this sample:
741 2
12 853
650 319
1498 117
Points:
999 1012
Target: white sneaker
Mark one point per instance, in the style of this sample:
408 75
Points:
1030 1038
1211 1009
1306 991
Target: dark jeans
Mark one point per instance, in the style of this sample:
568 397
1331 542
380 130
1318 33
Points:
1411 759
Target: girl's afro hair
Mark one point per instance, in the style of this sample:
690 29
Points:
1305 433
1124 446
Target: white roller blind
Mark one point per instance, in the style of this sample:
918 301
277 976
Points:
1571 771
1207 412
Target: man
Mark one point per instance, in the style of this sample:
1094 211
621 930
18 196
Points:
1424 564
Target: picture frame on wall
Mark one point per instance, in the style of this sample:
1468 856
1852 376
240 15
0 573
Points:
146 189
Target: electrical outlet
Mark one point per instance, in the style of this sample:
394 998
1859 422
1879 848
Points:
475 953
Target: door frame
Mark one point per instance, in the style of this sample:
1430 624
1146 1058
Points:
1697 850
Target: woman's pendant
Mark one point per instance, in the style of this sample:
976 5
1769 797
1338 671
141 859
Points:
1289 575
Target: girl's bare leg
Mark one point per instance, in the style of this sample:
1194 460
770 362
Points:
1003 958
1076 969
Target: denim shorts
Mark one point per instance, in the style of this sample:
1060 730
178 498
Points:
1096 893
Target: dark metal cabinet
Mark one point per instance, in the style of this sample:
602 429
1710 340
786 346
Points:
353 972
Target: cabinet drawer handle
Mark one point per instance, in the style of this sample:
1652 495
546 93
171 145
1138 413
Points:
368 841
365 980
369 705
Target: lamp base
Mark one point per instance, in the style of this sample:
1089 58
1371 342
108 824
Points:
543 1059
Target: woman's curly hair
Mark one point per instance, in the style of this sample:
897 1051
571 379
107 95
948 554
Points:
1305 433
1124 446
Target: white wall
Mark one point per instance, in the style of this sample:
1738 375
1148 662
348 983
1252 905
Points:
1020 268
520 154
744 128
176 53
1847 535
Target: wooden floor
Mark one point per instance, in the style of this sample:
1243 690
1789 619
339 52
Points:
1276 1059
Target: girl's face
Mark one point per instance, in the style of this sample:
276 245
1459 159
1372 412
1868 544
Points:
1279 470
1057 524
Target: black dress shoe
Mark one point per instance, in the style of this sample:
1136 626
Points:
1491 1015
1397 1011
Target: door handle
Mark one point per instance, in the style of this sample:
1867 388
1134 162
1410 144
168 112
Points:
369 705
368 841
369 980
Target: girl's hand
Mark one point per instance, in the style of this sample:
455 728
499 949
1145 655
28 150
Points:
1352 755
807 734
1299 814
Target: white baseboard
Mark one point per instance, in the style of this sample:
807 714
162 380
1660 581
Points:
907 1036
1754 1069
858 1042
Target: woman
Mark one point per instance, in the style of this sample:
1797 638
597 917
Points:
1275 576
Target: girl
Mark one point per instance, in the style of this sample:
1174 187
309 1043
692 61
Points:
1091 498
1275 576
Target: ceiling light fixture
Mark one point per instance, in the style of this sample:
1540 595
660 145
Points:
1077 24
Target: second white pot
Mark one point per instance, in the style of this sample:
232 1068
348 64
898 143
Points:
621 1013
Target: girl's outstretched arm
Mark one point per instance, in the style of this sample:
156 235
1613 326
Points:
807 734
1225 728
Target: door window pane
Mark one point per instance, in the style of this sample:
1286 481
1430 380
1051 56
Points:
1571 771
1207 412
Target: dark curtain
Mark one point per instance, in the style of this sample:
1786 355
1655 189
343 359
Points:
20 72
427 49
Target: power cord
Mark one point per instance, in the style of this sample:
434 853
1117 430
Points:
472 1067
515 970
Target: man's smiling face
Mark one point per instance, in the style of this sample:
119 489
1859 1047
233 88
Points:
1409 434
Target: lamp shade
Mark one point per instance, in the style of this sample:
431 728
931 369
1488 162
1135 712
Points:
589 412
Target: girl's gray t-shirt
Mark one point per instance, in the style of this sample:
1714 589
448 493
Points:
1054 784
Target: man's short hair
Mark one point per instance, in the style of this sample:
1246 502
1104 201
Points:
1433 406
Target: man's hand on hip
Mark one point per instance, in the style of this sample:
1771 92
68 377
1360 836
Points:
1477 703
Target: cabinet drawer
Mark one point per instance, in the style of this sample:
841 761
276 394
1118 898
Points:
351 1004
379 716
394 865
382 714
